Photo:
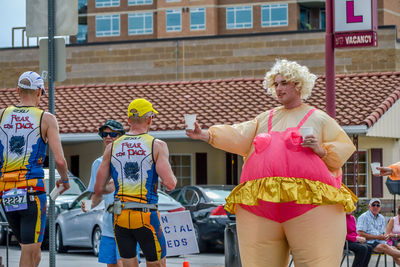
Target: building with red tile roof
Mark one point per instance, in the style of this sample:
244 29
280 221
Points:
367 107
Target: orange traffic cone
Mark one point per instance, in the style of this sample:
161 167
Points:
186 264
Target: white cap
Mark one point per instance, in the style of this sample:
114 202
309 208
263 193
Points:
35 80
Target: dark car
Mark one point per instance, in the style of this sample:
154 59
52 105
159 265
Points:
77 187
206 206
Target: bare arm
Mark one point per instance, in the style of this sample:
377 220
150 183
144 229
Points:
163 168
102 185
369 236
198 133
389 228
50 132
385 171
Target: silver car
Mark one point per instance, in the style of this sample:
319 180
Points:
75 228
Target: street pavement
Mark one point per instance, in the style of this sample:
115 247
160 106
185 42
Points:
85 258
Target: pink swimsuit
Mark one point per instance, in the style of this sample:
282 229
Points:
280 154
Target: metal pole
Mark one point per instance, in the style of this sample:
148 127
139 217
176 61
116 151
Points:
51 78
330 62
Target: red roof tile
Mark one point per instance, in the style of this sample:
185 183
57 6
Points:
361 99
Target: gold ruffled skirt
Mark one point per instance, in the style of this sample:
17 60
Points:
288 189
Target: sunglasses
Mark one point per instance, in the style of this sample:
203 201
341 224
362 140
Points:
376 205
112 134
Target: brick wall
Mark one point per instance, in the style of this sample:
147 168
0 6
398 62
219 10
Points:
206 58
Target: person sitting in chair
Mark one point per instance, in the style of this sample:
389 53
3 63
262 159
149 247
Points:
357 244
393 230
371 225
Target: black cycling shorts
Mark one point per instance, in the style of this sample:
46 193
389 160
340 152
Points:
132 227
28 225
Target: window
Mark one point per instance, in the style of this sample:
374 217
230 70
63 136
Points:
107 3
82 33
174 20
322 18
82 4
170 1
182 168
305 18
349 170
274 15
197 18
140 23
139 2
240 17
107 25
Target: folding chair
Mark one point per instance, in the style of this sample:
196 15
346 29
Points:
346 254
379 257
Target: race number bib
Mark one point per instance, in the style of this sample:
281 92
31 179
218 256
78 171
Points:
15 199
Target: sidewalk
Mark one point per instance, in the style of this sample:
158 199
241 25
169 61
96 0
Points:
87 259
373 260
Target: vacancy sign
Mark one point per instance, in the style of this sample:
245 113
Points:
356 23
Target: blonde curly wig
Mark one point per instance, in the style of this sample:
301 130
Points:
292 72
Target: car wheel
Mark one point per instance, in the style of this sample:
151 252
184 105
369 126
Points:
200 242
96 240
60 248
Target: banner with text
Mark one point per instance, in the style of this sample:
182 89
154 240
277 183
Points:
179 233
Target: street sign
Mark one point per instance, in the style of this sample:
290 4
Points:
356 39
60 57
355 23
179 233
66 18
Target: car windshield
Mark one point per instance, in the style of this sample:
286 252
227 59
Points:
163 198
76 186
217 195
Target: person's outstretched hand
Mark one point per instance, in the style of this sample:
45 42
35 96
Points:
384 171
198 133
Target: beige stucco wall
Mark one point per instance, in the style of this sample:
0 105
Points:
87 152
391 153
216 170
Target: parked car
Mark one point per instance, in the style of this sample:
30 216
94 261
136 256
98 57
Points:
3 227
75 228
77 187
206 206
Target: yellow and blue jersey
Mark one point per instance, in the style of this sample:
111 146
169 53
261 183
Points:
22 148
133 169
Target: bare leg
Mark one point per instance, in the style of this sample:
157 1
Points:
118 264
262 242
133 262
391 251
30 255
160 263
316 238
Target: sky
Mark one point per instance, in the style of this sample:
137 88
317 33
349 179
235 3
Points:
12 14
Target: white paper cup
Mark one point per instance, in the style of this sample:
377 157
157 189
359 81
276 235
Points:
374 165
189 121
56 192
304 131
88 204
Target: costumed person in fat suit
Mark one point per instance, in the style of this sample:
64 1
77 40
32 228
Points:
290 196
